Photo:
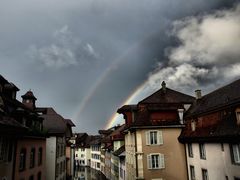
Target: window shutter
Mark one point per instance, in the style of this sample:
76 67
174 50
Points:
160 137
161 160
149 161
147 138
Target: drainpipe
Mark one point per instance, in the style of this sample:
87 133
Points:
185 153
136 158
14 159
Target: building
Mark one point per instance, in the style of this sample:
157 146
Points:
151 136
117 138
22 141
95 146
212 135
10 129
59 132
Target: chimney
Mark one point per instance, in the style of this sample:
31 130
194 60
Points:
198 94
164 86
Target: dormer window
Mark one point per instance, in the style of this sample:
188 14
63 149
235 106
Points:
193 125
238 116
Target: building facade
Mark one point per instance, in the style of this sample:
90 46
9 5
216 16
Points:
211 135
151 136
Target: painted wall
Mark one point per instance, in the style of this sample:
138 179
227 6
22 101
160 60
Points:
218 162
51 158
61 159
174 155
94 161
6 166
28 144
130 156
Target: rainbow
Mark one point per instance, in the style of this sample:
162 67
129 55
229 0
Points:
100 80
133 97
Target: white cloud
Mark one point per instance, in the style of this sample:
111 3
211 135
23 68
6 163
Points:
209 52
66 50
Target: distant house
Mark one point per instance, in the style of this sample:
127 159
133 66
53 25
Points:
82 150
59 131
106 151
151 136
212 135
95 146
117 138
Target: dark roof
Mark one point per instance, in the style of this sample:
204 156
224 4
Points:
70 123
9 125
119 151
53 122
225 130
29 95
96 140
221 97
127 108
168 96
118 133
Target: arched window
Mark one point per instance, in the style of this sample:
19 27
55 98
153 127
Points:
22 159
40 151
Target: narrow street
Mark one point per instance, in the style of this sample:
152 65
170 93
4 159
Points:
87 173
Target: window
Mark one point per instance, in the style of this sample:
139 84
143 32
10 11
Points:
154 138
190 150
40 156
39 176
5 150
192 172
32 158
204 174
235 150
202 151
98 165
31 177
22 160
156 161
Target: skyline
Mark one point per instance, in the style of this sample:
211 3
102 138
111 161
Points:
87 59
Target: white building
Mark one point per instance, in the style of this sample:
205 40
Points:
95 146
58 131
212 135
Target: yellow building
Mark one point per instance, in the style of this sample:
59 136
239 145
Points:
151 136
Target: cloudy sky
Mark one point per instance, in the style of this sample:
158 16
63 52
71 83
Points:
85 58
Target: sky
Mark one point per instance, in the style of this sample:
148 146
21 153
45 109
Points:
87 58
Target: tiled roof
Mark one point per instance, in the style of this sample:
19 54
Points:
127 108
221 97
96 140
53 122
69 122
167 96
225 130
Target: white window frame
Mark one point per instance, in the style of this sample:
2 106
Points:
154 137
158 162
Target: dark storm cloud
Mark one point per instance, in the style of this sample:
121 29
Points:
61 48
